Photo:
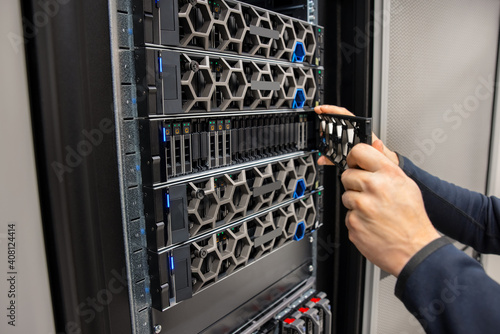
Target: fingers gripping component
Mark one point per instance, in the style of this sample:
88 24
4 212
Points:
339 134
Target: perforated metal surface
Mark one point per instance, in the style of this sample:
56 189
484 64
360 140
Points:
216 83
442 62
441 71
225 198
222 253
393 316
236 27
339 134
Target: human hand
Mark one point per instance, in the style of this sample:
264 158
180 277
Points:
377 143
387 220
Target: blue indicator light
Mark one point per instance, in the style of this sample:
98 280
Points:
164 135
161 64
138 168
143 231
134 100
147 290
130 31
172 262
168 200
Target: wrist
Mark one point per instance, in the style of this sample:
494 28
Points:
414 247
415 261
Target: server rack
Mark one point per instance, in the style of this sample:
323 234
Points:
199 192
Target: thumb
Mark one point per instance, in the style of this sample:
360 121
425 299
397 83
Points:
378 145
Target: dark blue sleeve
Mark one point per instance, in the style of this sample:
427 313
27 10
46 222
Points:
449 292
466 216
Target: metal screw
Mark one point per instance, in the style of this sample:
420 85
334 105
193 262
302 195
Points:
157 329
194 66
311 239
202 253
199 194
311 268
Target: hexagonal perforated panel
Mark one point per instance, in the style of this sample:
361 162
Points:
231 26
222 253
222 199
212 83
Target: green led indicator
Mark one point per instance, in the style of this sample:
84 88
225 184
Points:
319 193
222 233
319 29
319 154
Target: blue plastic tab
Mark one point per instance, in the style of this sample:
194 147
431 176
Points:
300 231
300 188
300 99
299 53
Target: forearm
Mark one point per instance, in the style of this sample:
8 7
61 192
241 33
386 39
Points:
464 215
449 292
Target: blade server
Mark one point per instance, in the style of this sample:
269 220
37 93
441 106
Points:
218 99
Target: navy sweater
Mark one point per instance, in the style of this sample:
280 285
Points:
446 290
